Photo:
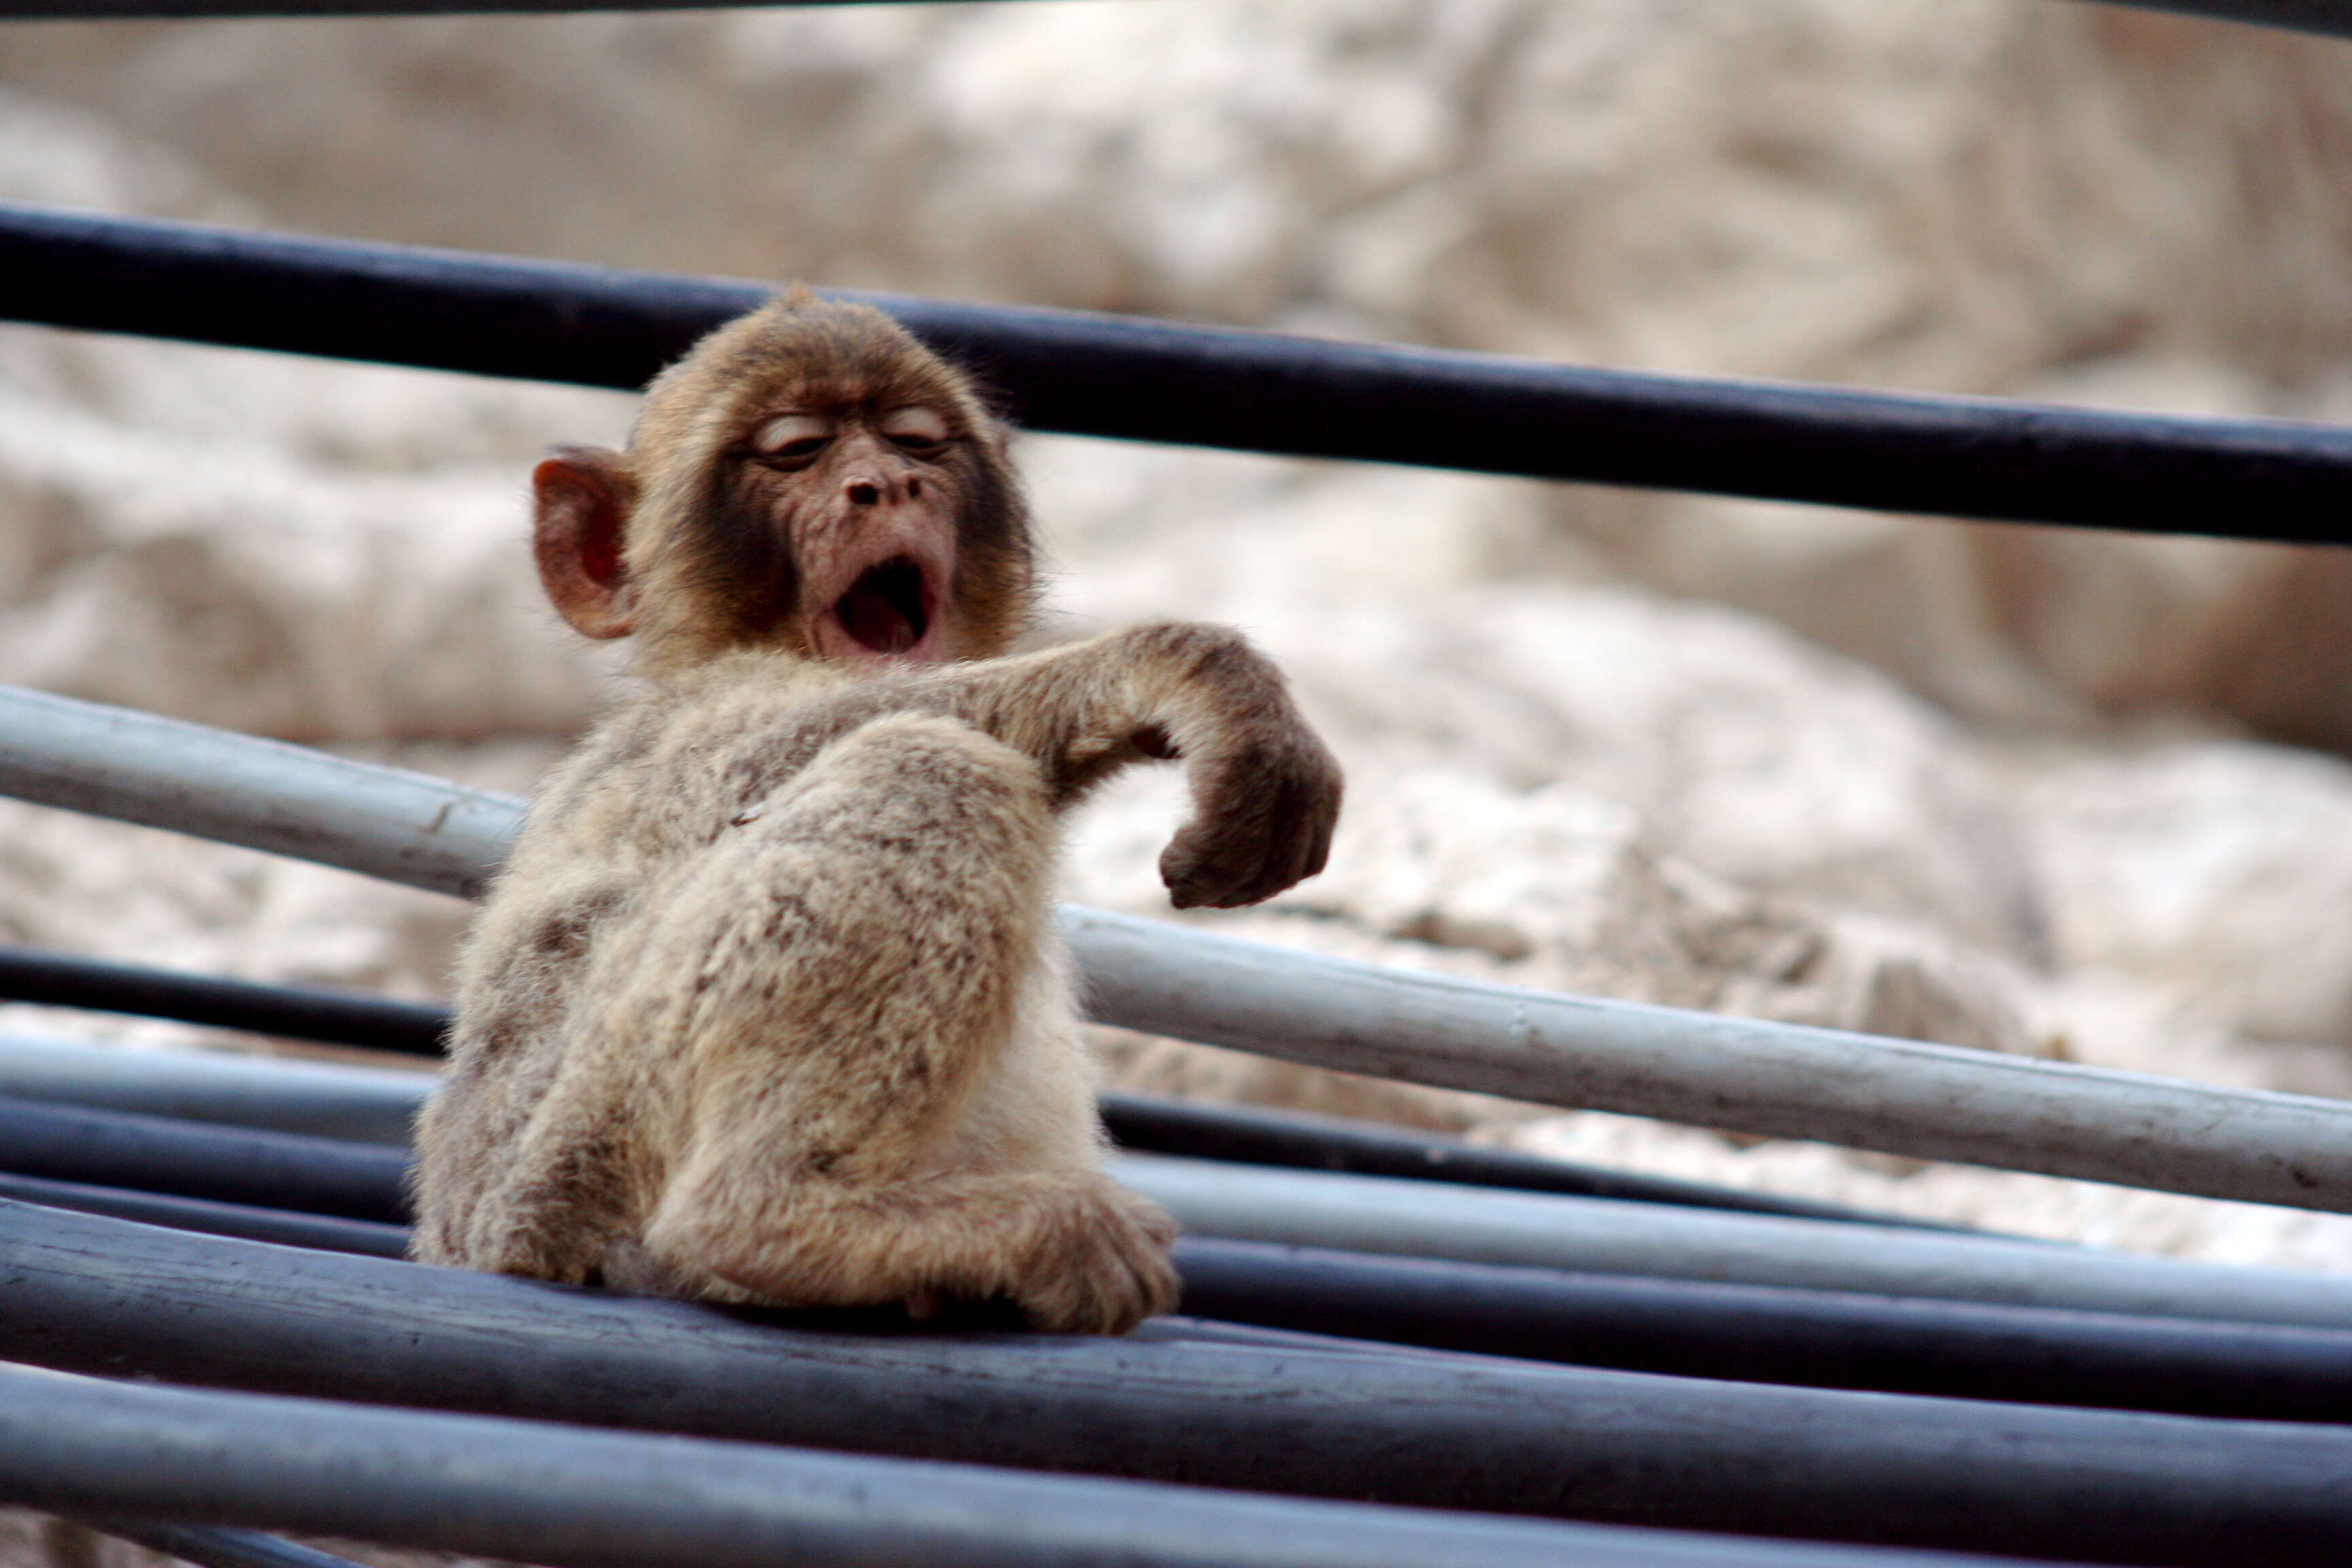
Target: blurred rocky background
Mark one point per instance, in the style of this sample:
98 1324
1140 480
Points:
2063 794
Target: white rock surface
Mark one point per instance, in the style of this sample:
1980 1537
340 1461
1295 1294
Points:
1997 196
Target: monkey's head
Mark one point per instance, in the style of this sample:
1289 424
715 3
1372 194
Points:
809 478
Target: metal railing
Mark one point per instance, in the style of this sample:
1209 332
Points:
1900 1096
1259 391
1212 387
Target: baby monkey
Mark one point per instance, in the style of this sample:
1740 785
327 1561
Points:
768 1004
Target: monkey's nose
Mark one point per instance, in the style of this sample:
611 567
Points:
862 492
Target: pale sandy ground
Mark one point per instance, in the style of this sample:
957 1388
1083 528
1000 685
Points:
2004 788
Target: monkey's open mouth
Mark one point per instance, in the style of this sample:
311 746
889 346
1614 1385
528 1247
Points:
883 609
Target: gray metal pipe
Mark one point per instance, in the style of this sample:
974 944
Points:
1310 1208
1387 1215
403 826
211 1546
1749 1334
375 1106
598 1499
367 1105
1779 1080
283 1227
222 1164
1380 1215
95 1295
1770 1079
380 1107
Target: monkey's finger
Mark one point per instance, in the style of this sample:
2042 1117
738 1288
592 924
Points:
1318 848
1299 851
1200 887
1325 821
1133 1300
1261 822
1249 842
1185 865
1306 818
1152 1283
1211 870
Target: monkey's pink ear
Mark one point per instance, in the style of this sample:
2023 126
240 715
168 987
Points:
584 498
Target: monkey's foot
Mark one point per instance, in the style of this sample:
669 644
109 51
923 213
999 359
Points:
1102 1266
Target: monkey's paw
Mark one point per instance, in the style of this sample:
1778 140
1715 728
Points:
1262 820
1103 1267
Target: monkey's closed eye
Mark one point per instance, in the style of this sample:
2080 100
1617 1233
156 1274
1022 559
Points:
793 437
916 429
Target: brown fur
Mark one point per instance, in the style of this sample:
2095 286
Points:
768 1004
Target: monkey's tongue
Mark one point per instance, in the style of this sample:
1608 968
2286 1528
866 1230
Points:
883 609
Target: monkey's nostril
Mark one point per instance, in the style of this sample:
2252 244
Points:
914 487
864 493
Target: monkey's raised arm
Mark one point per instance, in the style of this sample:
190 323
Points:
813 483
1265 790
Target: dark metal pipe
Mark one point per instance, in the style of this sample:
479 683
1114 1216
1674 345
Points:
1251 1136
1818 1339
1688 1328
1318 1209
1146 380
225 1164
247 1222
601 1500
296 1012
2328 16
1136 1121
234 1088
97 1295
212 1546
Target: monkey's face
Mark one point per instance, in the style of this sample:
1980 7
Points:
864 503
810 478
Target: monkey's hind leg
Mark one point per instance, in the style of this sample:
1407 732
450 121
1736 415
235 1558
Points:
854 955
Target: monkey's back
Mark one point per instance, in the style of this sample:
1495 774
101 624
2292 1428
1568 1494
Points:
632 810
657 778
